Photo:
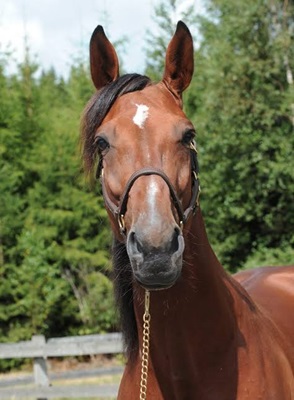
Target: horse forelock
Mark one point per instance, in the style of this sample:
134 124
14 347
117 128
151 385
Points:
97 109
123 290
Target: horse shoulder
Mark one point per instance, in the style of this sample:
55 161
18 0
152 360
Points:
268 363
272 290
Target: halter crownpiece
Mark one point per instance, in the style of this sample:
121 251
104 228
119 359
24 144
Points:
119 210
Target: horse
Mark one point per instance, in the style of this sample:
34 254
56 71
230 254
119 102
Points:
208 335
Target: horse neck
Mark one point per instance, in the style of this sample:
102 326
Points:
198 308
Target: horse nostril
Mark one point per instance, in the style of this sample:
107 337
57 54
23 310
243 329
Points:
134 250
175 240
134 243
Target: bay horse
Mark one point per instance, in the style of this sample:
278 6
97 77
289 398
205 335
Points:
212 336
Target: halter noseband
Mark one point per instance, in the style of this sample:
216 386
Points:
119 210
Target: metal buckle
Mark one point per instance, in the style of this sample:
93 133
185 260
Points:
121 223
193 147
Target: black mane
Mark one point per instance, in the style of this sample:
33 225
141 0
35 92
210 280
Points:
123 291
97 108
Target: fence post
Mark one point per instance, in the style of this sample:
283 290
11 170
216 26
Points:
40 366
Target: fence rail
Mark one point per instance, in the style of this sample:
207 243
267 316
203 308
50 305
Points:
39 350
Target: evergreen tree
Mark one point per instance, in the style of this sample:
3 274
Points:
241 101
54 236
69 220
18 129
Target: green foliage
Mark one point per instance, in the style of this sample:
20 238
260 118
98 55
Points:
283 255
54 237
37 290
242 104
99 309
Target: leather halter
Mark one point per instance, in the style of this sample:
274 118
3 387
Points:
119 210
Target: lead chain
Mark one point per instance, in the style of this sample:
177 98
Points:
145 347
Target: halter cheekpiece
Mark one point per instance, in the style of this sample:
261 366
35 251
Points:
119 210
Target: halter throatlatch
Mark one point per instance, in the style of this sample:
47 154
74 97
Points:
119 210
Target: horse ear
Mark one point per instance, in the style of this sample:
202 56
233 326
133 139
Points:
103 59
179 61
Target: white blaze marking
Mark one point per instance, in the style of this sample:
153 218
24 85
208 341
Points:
141 115
152 192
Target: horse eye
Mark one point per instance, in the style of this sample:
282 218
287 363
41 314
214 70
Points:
188 137
101 144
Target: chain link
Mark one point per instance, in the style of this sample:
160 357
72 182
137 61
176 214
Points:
145 348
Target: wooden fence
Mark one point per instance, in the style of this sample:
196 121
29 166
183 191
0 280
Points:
39 350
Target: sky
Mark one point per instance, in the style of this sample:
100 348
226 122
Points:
58 31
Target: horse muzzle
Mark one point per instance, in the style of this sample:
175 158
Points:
156 267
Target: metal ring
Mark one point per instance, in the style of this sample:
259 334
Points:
121 223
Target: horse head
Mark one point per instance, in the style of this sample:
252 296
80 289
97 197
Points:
147 159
